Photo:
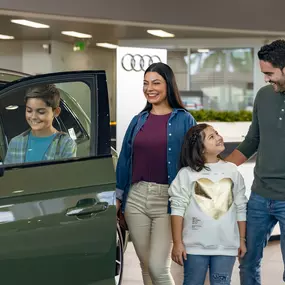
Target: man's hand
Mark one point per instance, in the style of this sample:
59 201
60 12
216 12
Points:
178 253
236 157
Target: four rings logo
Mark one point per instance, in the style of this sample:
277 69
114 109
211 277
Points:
138 62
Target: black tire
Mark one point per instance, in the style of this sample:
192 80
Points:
119 257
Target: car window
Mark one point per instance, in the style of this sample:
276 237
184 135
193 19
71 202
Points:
73 120
79 93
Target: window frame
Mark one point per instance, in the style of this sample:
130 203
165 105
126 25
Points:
99 145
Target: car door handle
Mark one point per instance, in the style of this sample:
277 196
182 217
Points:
87 210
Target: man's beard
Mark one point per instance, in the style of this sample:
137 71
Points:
277 86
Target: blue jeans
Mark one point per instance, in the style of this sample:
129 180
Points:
196 267
262 216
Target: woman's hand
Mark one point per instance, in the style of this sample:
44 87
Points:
178 253
242 249
118 205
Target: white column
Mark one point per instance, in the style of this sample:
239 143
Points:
189 69
258 77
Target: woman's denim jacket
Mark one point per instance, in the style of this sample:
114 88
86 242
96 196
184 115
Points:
179 123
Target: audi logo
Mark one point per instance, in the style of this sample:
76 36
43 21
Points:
138 62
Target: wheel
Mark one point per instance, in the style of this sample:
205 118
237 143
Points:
119 257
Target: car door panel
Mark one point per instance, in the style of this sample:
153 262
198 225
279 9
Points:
58 218
40 237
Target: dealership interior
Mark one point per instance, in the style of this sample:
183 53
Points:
220 63
216 68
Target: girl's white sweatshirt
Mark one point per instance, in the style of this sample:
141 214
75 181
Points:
211 202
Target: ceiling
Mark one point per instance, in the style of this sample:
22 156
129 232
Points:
100 32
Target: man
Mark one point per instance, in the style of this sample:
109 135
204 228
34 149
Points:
266 136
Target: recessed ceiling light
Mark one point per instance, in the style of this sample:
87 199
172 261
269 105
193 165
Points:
106 45
201 50
76 34
12 107
160 33
6 37
30 24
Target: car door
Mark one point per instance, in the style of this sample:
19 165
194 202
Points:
58 218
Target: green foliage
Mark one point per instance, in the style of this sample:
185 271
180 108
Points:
221 116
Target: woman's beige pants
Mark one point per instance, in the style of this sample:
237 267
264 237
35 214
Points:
150 231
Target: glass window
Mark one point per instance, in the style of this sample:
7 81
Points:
218 79
225 77
28 125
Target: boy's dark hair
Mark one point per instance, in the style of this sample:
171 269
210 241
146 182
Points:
46 92
273 53
172 92
193 148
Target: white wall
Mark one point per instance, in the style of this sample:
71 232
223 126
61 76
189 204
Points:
11 55
35 59
64 58
130 97
231 132
30 57
258 76
24 56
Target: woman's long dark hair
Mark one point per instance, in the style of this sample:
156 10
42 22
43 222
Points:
193 148
172 92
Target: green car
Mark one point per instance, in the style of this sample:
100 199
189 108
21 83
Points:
58 218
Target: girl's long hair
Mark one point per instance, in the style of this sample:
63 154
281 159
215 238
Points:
193 148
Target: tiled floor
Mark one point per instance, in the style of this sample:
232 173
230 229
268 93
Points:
272 268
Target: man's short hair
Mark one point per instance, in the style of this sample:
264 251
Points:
273 53
46 92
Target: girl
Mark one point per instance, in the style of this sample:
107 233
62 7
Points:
42 141
147 165
208 205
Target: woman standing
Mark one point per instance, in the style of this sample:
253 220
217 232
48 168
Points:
147 165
